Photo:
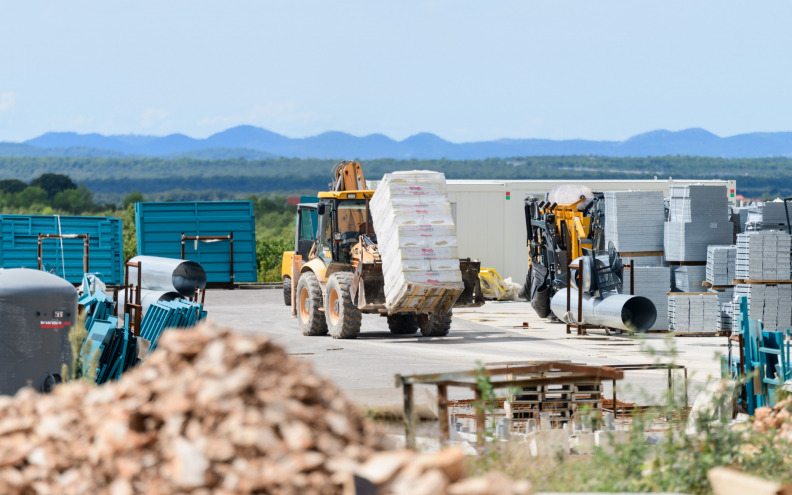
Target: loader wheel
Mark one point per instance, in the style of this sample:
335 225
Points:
403 324
343 316
287 291
434 325
309 305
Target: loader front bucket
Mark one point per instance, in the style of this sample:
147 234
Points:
472 296
369 286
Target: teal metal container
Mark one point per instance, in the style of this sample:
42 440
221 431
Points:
160 227
19 235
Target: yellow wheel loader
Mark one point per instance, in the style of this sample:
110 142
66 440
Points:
342 276
557 235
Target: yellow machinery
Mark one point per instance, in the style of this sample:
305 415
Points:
342 274
558 234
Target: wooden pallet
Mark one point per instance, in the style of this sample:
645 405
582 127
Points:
691 294
687 263
716 287
762 282
640 254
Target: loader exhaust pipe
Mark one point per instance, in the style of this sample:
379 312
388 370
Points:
620 311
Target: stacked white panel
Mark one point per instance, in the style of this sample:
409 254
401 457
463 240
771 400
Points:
721 265
697 202
771 215
698 217
688 278
653 283
634 220
772 304
416 235
763 255
693 313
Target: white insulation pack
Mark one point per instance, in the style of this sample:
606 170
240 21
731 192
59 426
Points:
415 231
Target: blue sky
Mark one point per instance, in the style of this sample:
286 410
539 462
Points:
464 70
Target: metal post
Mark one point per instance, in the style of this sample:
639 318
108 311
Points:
686 388
40 256
182 247
569 297
480 420
632 277
86 249
615 409
409 420
580 329
442 414
670 387
231 241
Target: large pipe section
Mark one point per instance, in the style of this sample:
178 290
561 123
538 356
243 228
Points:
149 297
621 311
168 274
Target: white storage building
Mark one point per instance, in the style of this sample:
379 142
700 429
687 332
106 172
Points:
490 214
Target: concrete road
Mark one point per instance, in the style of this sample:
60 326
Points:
494 333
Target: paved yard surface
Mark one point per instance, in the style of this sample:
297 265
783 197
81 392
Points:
493 333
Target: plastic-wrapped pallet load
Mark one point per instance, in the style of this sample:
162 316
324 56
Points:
634 220
693 313
653 283
416 235
688 278
772 304
763 255
771 215
698 217
721 265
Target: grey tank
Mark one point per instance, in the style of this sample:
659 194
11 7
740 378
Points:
37 311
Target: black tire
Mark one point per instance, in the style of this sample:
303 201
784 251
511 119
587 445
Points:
403 324
287 291
342 315
434 325
309 305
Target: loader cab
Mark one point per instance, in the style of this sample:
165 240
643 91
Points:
305 233
343 218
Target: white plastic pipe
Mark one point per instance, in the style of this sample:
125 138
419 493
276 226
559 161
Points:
168 274
621 311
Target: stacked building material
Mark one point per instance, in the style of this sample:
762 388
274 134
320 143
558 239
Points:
654 283
770 215
634 220
763 255
698 217
688 278
772 304
721 265
725 296
415 232
693 313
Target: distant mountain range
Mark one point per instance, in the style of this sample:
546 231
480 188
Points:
255 143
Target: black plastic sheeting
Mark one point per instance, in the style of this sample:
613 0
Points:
37 311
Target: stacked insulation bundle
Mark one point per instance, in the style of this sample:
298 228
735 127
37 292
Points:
693 313
416 235
634 220
764 256
721 265
653 283
771 215
698 217
772 304
689 278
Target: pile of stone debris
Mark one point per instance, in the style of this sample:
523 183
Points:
211 411
776 417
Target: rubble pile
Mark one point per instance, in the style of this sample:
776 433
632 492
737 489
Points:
210 411
403 472
777 417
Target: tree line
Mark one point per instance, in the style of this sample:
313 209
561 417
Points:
111 179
